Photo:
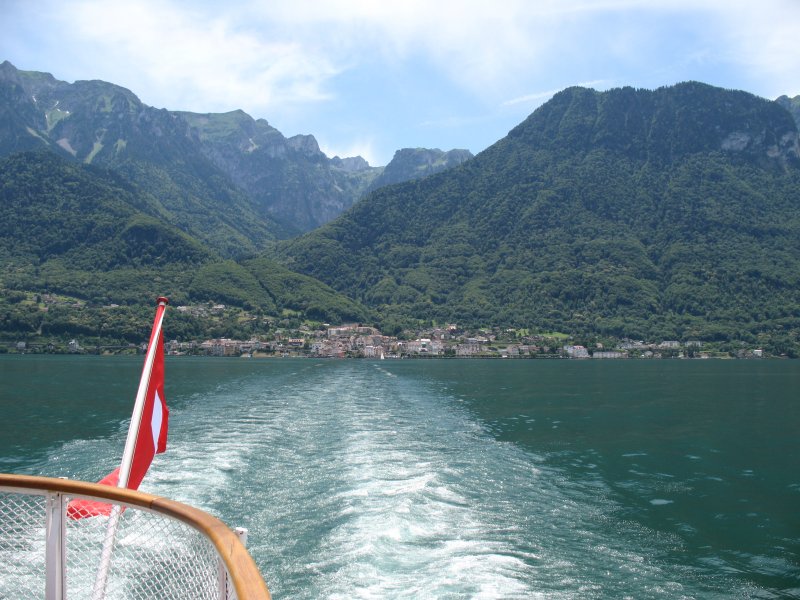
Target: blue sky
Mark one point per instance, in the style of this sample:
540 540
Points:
370 77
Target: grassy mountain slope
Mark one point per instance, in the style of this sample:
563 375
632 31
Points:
672 213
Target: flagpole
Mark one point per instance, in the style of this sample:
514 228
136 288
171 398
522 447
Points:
99 591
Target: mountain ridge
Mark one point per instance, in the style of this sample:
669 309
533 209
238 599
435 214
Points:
279 186
652 127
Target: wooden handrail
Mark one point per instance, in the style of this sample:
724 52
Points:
244 573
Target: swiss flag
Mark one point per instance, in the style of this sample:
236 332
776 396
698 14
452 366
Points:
150 430
152 437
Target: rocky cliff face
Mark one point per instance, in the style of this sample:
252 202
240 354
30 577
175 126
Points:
352 164
792 105
290 179
93 121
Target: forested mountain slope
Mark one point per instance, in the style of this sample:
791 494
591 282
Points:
671 214
83 252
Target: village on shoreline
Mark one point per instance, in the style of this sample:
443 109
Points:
359 341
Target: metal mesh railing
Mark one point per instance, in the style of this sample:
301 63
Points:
22 546
153 556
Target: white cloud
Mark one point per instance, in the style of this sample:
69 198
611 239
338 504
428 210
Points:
475 44
268 56
762 38
484 47
197 59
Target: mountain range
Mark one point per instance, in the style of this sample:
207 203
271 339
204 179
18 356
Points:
672 213
252 183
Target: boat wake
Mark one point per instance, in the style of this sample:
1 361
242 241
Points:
355 484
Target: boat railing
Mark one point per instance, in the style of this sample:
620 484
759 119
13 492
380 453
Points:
162 549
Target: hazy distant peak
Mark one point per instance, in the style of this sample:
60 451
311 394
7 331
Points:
350 164
305 144
414 163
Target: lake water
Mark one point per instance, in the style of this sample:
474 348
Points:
454 479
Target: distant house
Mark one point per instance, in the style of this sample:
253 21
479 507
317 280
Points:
373 351
423 346
576 351
218 347
634 345
468 349
221 347
342 330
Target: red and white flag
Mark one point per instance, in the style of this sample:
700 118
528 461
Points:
147 434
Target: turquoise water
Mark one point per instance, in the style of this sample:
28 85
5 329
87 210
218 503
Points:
455 479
